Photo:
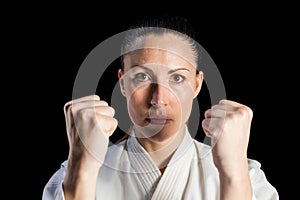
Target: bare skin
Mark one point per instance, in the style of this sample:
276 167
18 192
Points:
87 115
228 124
159 87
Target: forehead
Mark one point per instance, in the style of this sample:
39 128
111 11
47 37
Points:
166 49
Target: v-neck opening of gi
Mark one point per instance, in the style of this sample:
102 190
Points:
148 173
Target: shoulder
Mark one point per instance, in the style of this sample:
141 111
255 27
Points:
253 164
262 188
116 149
255 172
203 151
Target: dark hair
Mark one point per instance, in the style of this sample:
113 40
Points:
173 22
159 25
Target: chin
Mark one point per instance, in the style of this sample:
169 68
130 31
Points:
160 133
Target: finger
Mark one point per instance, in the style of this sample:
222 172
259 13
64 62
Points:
224 107
212 126
105 110
107 124
70 109
215 113
92 112
229 102
241 108
93 97
76 107
82 99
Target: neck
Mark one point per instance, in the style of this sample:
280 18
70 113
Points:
162 151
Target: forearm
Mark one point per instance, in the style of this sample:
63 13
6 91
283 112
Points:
237 186
80 180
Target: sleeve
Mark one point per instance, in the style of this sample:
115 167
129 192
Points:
53 189
262 189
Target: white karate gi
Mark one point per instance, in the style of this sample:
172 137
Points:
130 173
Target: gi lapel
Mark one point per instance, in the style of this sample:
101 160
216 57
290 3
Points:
146 171
174 179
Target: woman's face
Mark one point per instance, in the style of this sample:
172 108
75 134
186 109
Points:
160 83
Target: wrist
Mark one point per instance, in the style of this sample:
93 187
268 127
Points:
82 172
233 170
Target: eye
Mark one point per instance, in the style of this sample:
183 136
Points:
141 77
176 78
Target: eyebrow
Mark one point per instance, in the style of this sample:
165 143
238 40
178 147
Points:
169 72
175 70
141 66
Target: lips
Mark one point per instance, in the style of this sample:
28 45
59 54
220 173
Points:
158 120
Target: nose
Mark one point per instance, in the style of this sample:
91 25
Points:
160 95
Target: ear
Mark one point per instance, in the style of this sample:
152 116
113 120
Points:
199 81
121 82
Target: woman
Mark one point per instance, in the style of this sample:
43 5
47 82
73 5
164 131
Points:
159 159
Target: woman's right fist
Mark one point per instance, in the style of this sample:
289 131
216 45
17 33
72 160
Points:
89 123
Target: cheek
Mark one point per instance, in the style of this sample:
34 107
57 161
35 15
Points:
185 97
138 97
138 94
137 102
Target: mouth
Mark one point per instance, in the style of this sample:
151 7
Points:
158 120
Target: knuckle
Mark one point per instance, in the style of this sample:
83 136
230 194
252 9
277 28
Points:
229 116
112 111
104 103
112 125
115 122
82 114
71 110
94 121
250 111
67 106
208 112
245 112
95 96
106 128
241 111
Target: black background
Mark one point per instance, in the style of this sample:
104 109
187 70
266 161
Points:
46 47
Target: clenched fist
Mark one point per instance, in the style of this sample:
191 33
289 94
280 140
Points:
228 125
89 123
